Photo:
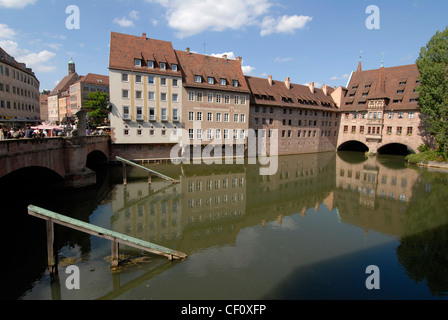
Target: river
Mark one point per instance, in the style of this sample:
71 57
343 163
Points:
308 232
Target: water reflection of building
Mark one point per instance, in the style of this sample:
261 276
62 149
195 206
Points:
301 182
202 204
149 212
372 194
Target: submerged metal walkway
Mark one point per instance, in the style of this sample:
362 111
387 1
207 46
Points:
128 162
115 237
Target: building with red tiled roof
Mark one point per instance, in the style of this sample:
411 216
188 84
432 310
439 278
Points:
305 117
80 90
19 92
381 108
215 101
62 88
146 95
156 91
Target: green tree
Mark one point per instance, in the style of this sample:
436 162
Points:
96 104
433 92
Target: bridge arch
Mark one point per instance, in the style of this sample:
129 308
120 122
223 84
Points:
395 148
96 157
27 178
353 145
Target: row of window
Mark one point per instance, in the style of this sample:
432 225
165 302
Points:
16 75
199 134
151 95
152 64
212 81
299 133
300 112
18 91
376 130
152 116
210 134
236 182
362 103
151 80
289 122
401 83
16 106
199 116
378 115
215 98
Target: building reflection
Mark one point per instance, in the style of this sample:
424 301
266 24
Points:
213 203
374 193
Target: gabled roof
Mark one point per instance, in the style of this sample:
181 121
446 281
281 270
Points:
298 96
193 65
65 83
396 84
92 78
124 49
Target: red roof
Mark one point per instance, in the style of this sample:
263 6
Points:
396 84
298 96
124 49
206 67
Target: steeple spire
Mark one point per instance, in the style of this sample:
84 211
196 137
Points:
359 64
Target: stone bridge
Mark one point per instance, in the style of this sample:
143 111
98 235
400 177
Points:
65 156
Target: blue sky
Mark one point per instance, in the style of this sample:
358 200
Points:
317 41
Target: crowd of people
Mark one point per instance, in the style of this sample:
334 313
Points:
35 133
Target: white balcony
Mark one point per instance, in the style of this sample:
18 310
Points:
140 117
126 116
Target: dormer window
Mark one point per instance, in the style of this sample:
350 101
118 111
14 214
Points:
402 83
174 67
150 64
198 79
223 82
211 80
162 65
235 83
137 62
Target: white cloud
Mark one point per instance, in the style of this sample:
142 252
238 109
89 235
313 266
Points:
284 24
135 15
6 32
281 60
124 22
194 16
247 70
343 77
34 60
230 55
15 4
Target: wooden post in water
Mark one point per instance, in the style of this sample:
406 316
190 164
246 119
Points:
50 248
125 181
149 178
114 253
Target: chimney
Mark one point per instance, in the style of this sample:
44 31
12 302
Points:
240 59
187 50
312 87
224 56
270 80
325 89
144 36
288 83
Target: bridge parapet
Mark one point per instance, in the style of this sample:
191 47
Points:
66 156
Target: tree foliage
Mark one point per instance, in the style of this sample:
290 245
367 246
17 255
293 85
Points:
433 92
96 104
